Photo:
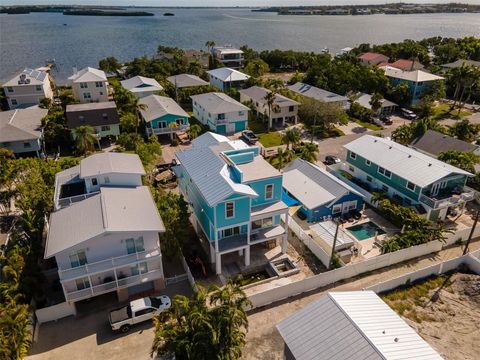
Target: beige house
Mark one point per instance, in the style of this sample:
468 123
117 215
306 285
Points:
27 88
89 85
283 109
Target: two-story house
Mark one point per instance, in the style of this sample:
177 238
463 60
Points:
418 81
228 56
141 86
104 230
102 116
21 130
283 109
234 194
320 94
226 79
27 88
163 115
411 177
89 85
220 112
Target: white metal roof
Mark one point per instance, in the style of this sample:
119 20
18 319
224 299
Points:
364 100
313 186
138 84
107 163
218 103
415 76
88 74
316 93
226 74
158 106
257 94
186 80
21 124
112 210
209 139
36 77
352 325
420 169
326 231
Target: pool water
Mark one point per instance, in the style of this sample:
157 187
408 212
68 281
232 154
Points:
365 231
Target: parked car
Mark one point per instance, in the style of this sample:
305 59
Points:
249 136
387 120
409 114
137 311
331 159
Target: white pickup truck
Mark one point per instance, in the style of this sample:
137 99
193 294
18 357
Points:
137 311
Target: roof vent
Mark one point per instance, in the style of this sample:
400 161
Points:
430 164
409 156
389 147
396 339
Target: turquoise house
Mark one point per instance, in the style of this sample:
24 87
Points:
418 81
234 194
162 115
410 177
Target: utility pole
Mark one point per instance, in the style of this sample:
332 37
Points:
477 215
334 244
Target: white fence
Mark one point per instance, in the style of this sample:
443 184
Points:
55 312
462 234
345 272
190 277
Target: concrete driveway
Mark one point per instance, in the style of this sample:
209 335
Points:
89 336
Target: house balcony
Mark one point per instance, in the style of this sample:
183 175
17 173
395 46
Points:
238 242
221 121
111 265
448 199
267 234
166 130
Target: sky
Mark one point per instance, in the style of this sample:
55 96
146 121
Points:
225 3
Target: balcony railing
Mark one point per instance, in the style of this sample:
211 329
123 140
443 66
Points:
113 285
167 130
106 265
433 203
222 121
64 202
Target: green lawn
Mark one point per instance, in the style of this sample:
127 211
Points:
368 125
270 139
442 111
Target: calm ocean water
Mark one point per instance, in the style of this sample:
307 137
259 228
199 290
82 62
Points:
29 40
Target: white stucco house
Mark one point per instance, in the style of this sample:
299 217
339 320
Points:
227 78
89 85
104 230
141 86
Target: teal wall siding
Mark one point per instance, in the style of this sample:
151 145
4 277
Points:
255 150
242 158
242 212
240 126
395 182
417 88
221 129
452 182
259 187
169 118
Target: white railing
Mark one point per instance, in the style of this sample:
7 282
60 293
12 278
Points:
166 130
466 196
222 121
73 199
106 265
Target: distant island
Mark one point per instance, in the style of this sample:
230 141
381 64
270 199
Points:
107 13
74 10
390 9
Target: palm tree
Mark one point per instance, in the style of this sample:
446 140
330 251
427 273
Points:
291 136
135 106
376 102
282 158
194 68
14 330
309 152
84 138
194 131
270 98
210 44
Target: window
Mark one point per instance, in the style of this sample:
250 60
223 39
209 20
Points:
410 186
98 84
269 192
101 92
9 89
138 269
369 178
144 311
38 87
229 210
94 182
262 223
179 121
351 169
352 205
231 231
26 145
368 162
135 245
107 180
353 155
221 116
78 258
87 95
385 188
105 128
82 283
241 113
384 172
14 101
337 209
83 85
291 108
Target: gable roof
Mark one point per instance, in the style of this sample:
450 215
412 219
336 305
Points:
36 77
209 139
433 142
94 114
415 76
368 56
352 325
138 84
226 74
112 210
316 93
460 63
407 65
186 80
218 103
411 165
88 74
364 100
313 186
159 106
257 94
108 163
21 124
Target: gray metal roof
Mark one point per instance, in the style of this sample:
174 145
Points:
36 77
409 164
138 84
433 142
218 103
112 210
257 169
108 163
94 114
352 325
460 63
209 139
316 93
186 80
21 124
313 186
257 94
226 74
364 100
159 106
326 231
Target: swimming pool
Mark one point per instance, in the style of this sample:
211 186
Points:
365 231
